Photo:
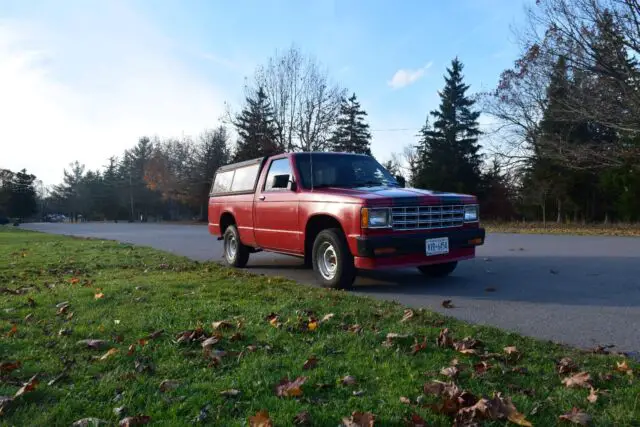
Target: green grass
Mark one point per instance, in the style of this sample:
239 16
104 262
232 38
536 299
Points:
629 230
147 290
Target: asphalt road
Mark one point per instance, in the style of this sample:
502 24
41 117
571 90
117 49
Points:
578 290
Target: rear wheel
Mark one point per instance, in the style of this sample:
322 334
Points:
332 260
438 270
235 253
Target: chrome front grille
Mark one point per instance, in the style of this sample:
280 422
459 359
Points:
427 217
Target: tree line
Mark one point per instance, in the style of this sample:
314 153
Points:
563 145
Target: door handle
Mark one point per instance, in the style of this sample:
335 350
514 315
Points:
261 197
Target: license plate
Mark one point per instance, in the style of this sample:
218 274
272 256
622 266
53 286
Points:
437 246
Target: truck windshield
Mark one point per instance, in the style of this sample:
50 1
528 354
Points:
342 170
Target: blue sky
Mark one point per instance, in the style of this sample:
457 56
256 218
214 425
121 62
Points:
82 80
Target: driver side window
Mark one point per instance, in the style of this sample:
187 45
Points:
279 175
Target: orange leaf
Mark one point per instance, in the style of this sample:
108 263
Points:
13 331
28 386
109 353
286 388
142 342
260 419
6 367
99 295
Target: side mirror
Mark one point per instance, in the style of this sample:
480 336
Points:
280 181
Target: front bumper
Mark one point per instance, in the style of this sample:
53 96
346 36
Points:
402 250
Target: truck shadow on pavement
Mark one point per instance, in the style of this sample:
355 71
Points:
602 281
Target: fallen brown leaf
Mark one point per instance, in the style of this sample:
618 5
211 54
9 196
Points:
155 334
93 344
593 395
286 388
109 353
444 338
236 337
99 295
576 416
566 365
447 304
210 342
6 367
416 421
310 363
138 420
223 324
168 385
440 388
623 367
405 400
581 379
327 317
481 368
450 371
359 419
28 386
466 346
355 329
348 380
89 422
511 350
132 349
302 419
13 331
230 393
260 419
419 346
408 315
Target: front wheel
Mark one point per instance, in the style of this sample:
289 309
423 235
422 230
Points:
332 260
438 270
235 253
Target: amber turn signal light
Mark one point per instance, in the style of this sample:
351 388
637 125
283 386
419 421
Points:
477 241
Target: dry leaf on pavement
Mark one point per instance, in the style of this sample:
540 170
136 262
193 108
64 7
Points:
447 304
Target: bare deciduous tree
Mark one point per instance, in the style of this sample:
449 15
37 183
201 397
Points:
304 100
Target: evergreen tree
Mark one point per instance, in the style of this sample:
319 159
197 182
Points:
257 130
449 159
22 202
352 132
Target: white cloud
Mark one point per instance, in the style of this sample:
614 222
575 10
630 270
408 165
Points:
89 87
405 77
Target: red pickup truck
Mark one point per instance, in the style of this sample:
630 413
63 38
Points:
340 212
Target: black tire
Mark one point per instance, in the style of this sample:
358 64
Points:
240 256
438 270
345 272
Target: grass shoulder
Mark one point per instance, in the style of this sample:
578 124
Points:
178 341
623 230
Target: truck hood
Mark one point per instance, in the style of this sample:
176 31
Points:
383 195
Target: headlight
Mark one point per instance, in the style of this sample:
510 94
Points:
375 218
471 213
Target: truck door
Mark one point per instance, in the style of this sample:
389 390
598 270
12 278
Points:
276 209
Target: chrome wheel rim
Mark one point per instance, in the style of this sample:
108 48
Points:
327 261
231 247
